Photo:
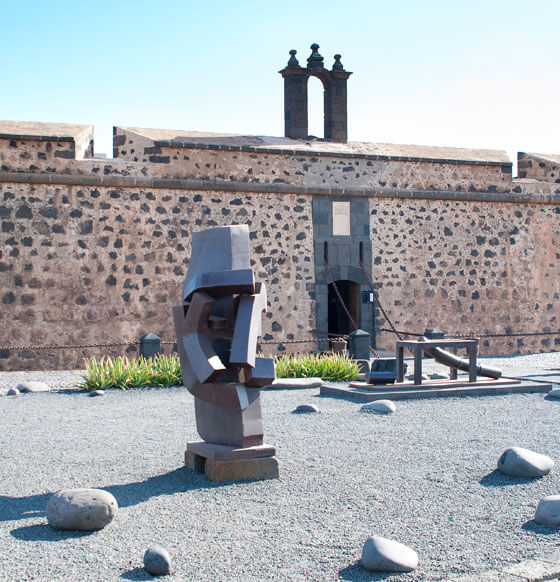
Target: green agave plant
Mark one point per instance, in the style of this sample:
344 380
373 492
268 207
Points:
162 370
159 370
333 367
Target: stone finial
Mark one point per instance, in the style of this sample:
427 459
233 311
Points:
338 66
293 62
315 60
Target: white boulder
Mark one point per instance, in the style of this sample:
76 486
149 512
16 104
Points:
384 555
157 561
306 408
548 511
524 463
81 509
380 407
28 387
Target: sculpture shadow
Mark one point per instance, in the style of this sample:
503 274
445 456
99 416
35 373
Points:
137 574
538 528
14 508
176 481
127 494
498 479
357 573
43 532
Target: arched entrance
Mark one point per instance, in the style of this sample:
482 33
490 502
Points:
338 319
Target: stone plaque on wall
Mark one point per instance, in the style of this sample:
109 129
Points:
341 218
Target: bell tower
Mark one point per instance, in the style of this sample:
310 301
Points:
335 96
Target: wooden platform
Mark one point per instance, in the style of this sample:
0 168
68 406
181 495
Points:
432 389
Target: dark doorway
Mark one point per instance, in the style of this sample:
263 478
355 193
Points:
338 319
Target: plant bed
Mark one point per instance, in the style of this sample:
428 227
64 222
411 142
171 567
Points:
161 370
332 367
123 373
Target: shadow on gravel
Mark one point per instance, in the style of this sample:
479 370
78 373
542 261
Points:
535 527
137 574
498 479
43 532
176 481
357 573
13 508
127 494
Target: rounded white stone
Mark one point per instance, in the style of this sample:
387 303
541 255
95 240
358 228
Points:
33 387
380 407
81 509
548 511
524 463
97 393
384 555
306 408
157 561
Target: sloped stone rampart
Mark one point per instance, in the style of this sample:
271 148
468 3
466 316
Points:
314 168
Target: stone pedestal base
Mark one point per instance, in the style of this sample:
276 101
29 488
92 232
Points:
223 463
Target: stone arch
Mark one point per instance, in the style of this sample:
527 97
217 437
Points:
335 96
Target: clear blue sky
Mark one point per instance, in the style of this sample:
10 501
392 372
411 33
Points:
437 72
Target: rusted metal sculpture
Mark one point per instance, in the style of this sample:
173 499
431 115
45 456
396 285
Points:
217 327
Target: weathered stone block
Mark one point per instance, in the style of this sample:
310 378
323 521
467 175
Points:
265 468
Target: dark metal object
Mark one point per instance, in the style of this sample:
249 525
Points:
358 344
385 365
447 359
434 333
367 297
150 345
433 347
384 371
217 327
381 377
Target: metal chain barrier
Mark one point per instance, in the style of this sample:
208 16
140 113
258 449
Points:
122 344
527 334
346 310
400 333
309 341
67 346
376 297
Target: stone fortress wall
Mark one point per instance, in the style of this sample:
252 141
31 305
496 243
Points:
95 251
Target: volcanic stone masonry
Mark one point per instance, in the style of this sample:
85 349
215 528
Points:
94 251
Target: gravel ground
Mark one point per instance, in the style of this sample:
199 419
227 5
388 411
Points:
423 476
